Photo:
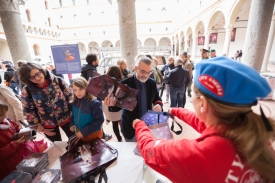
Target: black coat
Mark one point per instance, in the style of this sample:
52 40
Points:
129 116
88 71
178 77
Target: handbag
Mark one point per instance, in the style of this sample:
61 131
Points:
86 161
157 122
104 85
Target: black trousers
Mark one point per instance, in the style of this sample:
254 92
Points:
57 136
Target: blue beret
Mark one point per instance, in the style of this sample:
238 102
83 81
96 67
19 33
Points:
230 82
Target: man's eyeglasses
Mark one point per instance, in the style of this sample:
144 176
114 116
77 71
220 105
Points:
36 75
144 72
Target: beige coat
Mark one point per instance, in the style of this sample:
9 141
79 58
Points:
188 66
8 97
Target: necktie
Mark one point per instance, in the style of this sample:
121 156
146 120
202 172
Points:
143 97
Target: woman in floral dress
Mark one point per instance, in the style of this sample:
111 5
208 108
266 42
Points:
45 100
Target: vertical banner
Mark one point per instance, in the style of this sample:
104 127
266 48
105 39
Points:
233 35
66 58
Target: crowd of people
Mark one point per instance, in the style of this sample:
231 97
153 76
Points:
234 140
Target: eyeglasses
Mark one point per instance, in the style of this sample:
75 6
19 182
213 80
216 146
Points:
36 75
144 72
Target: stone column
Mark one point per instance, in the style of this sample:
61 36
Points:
206 40
176 44
269 44
227 39
128 31
194 42
257 33
13 28
179 47
186 44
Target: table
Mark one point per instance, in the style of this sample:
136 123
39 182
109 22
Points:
127 168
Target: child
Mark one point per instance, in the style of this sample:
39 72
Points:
11 151
87 112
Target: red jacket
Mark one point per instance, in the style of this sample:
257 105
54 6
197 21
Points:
10 151
209 158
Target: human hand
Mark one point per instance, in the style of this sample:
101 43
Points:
21 140
49 132
169 110
157 108
109 101
72 128
129 75
135 121
79 135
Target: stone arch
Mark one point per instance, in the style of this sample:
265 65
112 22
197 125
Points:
165 41
213 20
117 43
106 43
139 43
82 50
35 30
93 47
200 28
150 42
29 29
25 28
235 9
188 32
36 50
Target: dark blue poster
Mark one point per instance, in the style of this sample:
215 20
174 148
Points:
66 59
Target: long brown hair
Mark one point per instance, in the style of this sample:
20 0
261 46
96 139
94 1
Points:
114 71
248 133
25 70
82 83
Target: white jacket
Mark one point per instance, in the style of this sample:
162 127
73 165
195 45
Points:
8 97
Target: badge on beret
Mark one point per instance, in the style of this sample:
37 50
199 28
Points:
211 84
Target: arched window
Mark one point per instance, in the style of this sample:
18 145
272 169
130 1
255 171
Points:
49 21
60 3
28 14
88 2
36 50
73 2
149 15
163 14
46 5
75 19
61 20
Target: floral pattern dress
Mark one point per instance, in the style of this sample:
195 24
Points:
48 106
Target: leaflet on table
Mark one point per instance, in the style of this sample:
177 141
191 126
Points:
123 96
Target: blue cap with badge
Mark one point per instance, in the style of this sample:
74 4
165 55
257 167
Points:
230 82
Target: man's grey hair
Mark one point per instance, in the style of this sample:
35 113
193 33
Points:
184 53
138 57
179 61
145 60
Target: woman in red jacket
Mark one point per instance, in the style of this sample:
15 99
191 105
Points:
235 142
11 152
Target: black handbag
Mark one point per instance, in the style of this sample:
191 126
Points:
86 161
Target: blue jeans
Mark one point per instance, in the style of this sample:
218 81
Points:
14 87
177 96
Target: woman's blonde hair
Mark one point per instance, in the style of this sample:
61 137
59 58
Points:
82 83
248 133
120 62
